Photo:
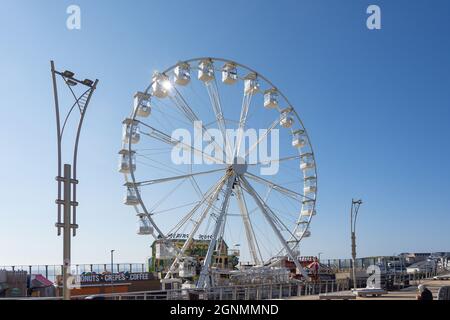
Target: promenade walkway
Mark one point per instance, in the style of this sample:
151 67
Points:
404 294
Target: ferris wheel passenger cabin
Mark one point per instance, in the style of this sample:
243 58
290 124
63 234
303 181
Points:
130 127
229 73
144 227
310 185
206 70
308 209
271 99
299 139
124 162
160 85
307 161
286 120
182 74
251 84
142 104
303 233
131 198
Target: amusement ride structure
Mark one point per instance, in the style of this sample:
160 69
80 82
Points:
213 151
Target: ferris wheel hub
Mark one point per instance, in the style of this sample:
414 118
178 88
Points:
239 165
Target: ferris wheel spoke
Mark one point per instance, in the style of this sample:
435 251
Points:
189 215
273 125
164 137
176 172
214 97
249 232
211 198
166 115
184 107
246 100
268 162
278 222
156 181
265 210
175 208
290 193
181 103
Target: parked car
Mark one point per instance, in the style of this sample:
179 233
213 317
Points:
442 277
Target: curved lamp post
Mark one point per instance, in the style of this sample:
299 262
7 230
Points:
67 178
353 215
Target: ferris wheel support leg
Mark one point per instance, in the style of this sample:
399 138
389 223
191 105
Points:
249 232
203 280
197 224
263 209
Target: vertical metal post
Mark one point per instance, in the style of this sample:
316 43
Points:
353 215
354 258
112 271
66 219
58 132
66 231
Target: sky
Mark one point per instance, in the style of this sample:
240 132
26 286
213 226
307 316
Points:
376 104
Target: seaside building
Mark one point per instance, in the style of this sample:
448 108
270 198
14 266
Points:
163 256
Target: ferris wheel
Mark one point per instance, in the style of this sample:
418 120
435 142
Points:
213 152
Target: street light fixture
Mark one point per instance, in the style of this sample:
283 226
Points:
319 254
67 178
68 74
353 215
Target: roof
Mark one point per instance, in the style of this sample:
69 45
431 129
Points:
41 281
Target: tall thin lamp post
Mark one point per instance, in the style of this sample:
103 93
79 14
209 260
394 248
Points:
353 215
67 172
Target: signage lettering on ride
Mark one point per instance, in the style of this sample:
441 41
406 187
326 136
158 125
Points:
116 277
184 236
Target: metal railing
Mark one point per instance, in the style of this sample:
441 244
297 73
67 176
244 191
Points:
256 291
265 291
237 292
52 271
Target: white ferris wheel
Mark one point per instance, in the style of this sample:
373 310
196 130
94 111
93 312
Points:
242 175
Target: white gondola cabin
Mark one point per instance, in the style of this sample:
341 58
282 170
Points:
299 139
205 70
127 157
229 73
307 162
286 121
160 85
303 233
186 268
144 227
310 185
142 104
271 99
131 198
308 208
251 84
163 251
130 128
182 74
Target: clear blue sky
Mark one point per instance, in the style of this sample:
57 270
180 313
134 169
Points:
376 104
